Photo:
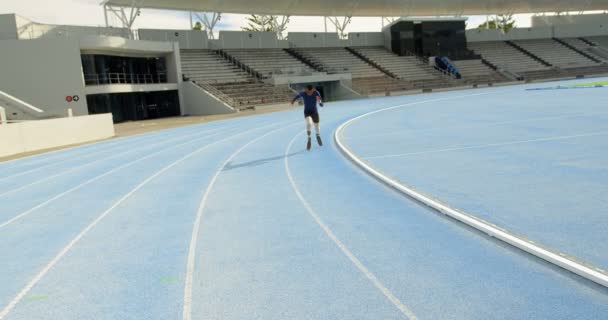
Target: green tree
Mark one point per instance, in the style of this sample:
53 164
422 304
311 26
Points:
198 26
504 22
263 23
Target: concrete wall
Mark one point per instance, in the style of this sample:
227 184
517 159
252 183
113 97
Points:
248 40
187 39
544 32
478 35
580 30
314 40
366 39
8 27
43 73
581 19
126 47
198 102
45 134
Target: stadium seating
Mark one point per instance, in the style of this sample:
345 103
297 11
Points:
228 82
204 66
555 53
584 47
475 71
506 57
406 68
271 62
339 60
600 41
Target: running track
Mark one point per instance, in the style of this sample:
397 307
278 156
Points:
234 220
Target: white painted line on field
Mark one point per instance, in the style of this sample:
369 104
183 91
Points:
592 273
358 264
187 309
100 160
11 305
490 145
482 125
128 164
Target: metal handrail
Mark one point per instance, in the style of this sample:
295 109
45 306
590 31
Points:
19 102
124 78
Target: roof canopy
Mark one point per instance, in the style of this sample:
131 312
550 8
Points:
369 8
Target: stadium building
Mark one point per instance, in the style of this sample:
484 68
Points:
143 74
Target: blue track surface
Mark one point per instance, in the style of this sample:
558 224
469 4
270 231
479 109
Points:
106 231
532 162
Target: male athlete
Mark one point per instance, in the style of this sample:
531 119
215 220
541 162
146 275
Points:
311 115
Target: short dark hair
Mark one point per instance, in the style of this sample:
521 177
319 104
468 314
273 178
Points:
309 87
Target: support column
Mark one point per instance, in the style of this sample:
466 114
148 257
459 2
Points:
341 25
280 25
209 22
126 15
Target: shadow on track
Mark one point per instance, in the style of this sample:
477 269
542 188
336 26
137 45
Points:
259 162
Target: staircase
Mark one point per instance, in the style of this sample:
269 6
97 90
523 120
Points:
305 60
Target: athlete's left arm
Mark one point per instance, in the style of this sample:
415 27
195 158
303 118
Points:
319 98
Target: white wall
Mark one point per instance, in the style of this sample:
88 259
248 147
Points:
43 73
544 32
122 46
248 40
314 40
366 39
8 27
581 19
580 30
187 39
45 134
478 35
198 102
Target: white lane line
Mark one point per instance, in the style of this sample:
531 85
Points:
481 125
67 152
490 145
592 273
187 310
11 305
358 264
76 158
80 186
120 154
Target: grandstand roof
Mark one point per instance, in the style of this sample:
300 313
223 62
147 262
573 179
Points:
372 8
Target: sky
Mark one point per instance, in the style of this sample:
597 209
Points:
90 13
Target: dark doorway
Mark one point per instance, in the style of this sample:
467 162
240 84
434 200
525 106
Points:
135 105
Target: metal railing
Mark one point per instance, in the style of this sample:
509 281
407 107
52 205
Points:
124 78
8 99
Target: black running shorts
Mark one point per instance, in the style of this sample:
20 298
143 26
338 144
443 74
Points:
313 115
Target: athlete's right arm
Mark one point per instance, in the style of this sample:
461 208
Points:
295 99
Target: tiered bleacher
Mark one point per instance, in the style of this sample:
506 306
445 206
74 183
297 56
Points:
271 62
376 70
555 53
404 67
340 60
585 47
475 71
205 66
229 82
506 57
